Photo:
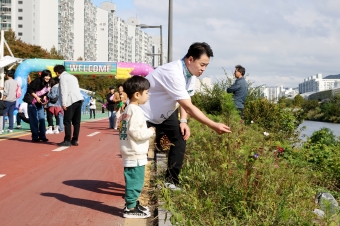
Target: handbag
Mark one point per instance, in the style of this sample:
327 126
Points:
28 98
53 100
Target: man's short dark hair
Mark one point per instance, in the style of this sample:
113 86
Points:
197 49
59 69
135 84
10 73
240 69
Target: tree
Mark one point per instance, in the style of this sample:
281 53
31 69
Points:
286 102
309 105
99 84
80 59
298 100
54 54
24 50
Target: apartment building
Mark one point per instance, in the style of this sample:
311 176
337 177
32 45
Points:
317 83
78 30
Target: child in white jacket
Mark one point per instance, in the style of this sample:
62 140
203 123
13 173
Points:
134 144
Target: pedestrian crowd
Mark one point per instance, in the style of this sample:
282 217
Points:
59 97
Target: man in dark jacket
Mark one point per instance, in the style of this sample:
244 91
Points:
111 107
239 88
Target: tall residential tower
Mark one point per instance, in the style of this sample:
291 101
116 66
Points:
79 30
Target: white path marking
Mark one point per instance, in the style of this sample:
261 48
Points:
93 134
60 149
2 175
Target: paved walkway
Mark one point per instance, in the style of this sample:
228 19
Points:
43 184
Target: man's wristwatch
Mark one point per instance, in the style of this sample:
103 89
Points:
183 120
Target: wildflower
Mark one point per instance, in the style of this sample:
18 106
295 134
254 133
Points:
280 149
256 156
251 121
266 134
241 121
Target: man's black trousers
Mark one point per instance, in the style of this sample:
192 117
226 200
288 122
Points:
72 115
176 154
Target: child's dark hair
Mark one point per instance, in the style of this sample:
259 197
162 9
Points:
135 84
10 73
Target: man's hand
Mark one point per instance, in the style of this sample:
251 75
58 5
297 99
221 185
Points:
220 128
185 130
64 107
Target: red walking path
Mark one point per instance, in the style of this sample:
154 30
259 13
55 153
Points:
43 185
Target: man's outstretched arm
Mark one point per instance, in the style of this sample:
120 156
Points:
197 114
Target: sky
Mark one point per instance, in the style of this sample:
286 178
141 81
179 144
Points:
279 42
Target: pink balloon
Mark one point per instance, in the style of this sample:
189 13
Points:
138 68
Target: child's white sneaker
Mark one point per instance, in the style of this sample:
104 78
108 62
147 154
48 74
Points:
49 130
56 130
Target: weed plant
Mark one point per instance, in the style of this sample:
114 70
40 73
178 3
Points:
252 176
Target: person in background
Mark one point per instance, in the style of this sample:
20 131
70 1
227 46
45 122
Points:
71 102
120 99
54 109
36 100
134 144
92 105
9 97
2 108
111 107
239 88
22 115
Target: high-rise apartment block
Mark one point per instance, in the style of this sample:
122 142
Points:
317 83
79 30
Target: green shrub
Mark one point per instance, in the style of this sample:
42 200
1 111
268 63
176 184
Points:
209 100
322 151
274 118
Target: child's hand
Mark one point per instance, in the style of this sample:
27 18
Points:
153 130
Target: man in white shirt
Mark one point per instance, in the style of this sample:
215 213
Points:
71 102
22 115
171 86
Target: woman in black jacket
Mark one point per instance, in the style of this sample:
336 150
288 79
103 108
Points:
37 99
110 107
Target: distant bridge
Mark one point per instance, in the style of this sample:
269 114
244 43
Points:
322 95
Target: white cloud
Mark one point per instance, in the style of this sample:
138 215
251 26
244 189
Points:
278 42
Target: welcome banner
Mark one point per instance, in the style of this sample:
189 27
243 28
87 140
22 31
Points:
91 68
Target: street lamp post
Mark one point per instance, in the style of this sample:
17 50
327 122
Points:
170 32
161 41
2 52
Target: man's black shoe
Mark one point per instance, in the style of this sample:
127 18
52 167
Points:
64 144
74 143
43 139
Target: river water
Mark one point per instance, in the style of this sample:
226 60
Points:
312 126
